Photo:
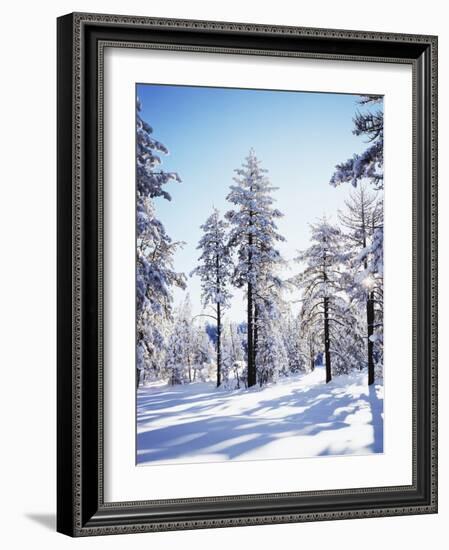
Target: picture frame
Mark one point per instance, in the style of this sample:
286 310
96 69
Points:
81 506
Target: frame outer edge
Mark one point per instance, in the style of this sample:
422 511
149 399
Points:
69 521
434 271
239 27
66 270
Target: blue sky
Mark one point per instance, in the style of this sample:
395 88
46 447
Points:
298 136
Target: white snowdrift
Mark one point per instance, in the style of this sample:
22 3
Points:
298 417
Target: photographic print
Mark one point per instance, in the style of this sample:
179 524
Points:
259 274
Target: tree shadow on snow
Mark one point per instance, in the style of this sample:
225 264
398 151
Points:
208 435
228 437
377 409
153 405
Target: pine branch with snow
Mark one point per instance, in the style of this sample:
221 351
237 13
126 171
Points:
369 164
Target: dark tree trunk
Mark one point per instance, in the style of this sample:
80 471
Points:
370 323
251 365
327 353
137 378
255 340
312 364
370 327
218 344
365 265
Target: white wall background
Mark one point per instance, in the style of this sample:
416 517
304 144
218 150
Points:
28 267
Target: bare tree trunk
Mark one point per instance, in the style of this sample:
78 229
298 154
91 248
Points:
218 344
256 337
234 355
327 341
312 357
218 286
370 323
251 365
370 329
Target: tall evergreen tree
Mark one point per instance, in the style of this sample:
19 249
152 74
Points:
272 357
254 236
233 356
290 326
362 218
181 347
155 275
203 353
308 335
175 355
368 167
324 307
372 280
214 270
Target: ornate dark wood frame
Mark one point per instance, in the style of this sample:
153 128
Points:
81 509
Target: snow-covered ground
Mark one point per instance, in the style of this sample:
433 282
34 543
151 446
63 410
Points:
300 416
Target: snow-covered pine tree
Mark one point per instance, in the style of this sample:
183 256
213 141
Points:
237 341
363 219
369 164
372 279
203 356
155 256
351 350
254 236
155 275
214 270
233 357
175 355
309 337
182 346
268 312
271 358
153 331
324 307
292 337
155 279
150 180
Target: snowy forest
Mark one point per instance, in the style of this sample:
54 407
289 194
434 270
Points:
301 373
